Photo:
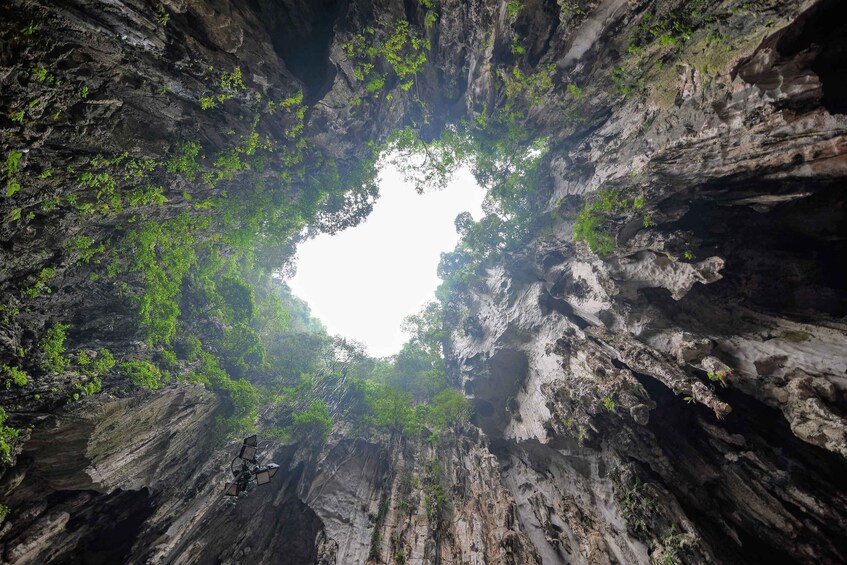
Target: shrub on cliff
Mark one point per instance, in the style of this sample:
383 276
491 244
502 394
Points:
312 424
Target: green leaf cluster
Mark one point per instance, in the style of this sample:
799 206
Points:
513 8
7 435
84 245
401 48
163 254
592 222
52 348
144 374
15 375
40 287
97 366
242 396
312 424
10 169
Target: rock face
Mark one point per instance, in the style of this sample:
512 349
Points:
680 399
683 382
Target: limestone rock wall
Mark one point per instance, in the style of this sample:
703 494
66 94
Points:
684 380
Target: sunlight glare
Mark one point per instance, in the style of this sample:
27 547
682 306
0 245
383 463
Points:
362 282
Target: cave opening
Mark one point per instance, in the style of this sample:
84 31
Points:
303 37
822 29
781 257
107 525
362 282
495 394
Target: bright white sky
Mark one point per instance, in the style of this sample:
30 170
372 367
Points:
362 282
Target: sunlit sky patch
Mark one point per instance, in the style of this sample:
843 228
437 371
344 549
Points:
362 282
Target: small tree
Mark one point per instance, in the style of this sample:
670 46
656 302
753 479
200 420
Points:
237 299
449 408
312 425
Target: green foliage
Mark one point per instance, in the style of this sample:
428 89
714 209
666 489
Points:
588 228
637 501
90 388
513 7
626 84
233 80
53 349
7 435
426 329
101 364
188 347
505 157
29 30
312 425
105 189
449 408
435 499
12 187
441 157
163 253
15 375
401 48
591 222
532 87
207 102
4 512
391 410
144 374
608 404
237 299
375 84
39 74
83 91
569 8
84 245
417 372
673 546
242 395
168 358
184 160
12 164
430 18
575 91
40 286
669 30
227 163
17 117
241 349
516 48
718 377
50 204
146 196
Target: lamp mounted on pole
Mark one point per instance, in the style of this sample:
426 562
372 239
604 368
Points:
247 468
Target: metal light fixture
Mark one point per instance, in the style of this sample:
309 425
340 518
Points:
246 467
249 448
